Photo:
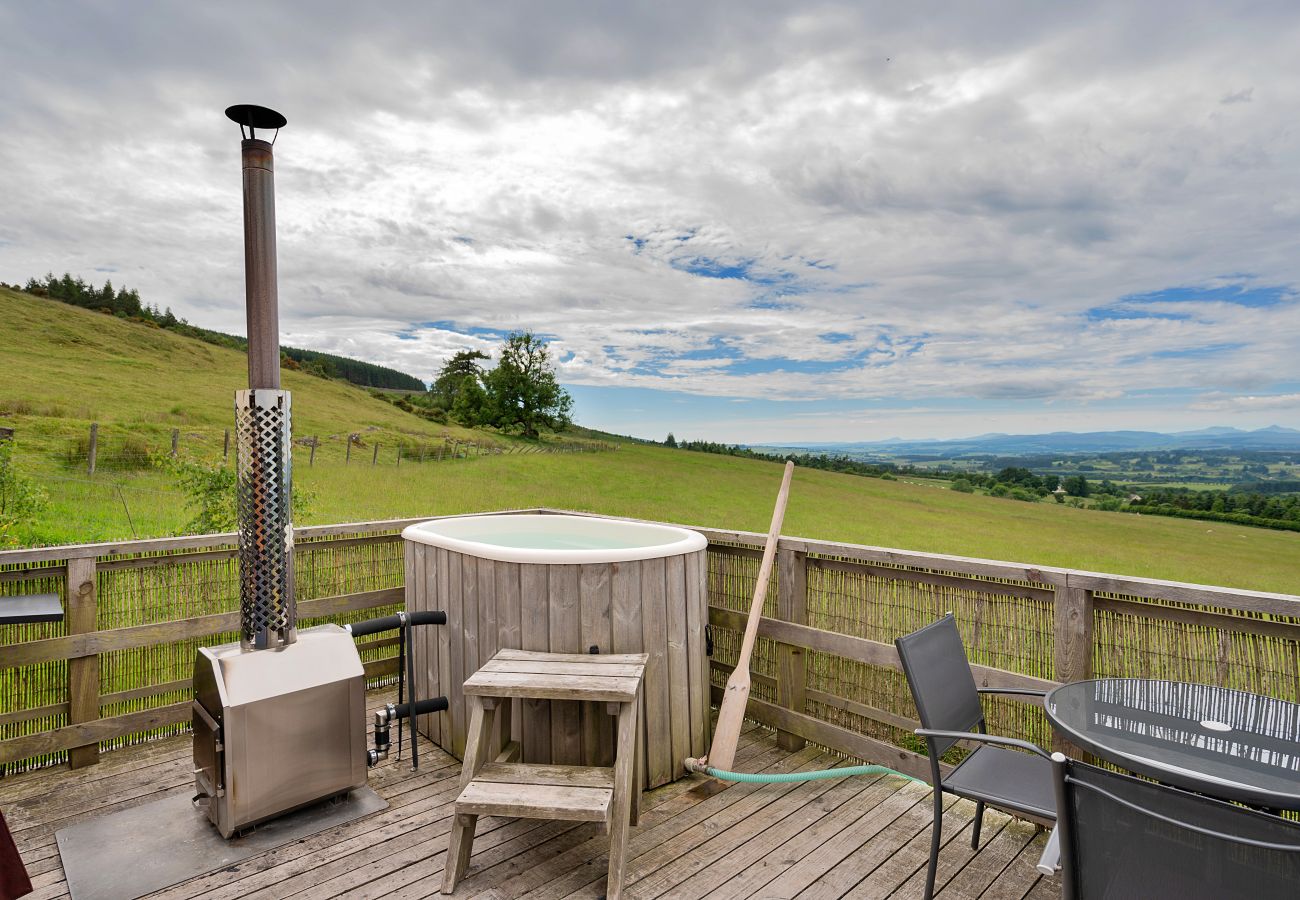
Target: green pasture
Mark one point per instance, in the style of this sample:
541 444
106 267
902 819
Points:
62 367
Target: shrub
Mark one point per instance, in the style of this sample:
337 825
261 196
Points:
20 498
212 494
962 486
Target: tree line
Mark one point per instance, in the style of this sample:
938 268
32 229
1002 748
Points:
126 304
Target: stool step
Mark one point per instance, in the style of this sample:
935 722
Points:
559 776
547 676
535 801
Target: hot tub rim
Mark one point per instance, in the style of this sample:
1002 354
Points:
690 542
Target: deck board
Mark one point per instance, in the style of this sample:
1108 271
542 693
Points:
856 837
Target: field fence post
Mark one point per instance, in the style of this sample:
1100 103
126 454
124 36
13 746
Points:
83 671
94 447
176 441
348 458
311 460
225 447
792 662
399 456
374 457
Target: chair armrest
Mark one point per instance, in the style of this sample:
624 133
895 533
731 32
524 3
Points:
1027 692
1050 862
984 739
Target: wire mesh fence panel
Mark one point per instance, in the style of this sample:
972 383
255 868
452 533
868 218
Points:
175 587
1141 638
33 698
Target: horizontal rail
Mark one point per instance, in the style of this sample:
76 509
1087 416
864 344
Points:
96 642
991 572
864 650
70 737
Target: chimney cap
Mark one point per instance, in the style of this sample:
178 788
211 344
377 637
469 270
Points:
254 117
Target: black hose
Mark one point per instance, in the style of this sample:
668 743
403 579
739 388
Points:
374 626
388 623
423 708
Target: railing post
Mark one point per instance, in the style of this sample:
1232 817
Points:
792 662
83 671
1072 637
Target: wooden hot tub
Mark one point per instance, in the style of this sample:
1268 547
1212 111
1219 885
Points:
566 584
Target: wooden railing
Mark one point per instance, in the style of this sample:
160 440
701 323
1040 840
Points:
825 670
117 669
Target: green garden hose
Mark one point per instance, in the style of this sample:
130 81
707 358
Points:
695 765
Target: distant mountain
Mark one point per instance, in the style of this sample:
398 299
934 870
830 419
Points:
1274 437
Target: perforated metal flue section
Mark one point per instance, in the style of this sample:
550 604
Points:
268 618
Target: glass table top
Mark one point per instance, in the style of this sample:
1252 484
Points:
1225 743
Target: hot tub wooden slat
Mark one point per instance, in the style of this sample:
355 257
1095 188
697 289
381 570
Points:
509 625
595 589
425 640
706 681
566 637
696 661
654 625
534 583
455 593
679 686
628 636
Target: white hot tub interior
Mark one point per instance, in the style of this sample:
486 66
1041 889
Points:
535 538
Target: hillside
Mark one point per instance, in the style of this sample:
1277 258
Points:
84 365
61 367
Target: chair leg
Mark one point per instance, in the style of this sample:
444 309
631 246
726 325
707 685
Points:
979 822
936 836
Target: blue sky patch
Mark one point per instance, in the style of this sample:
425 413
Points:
1121 313
1196 352
1261 297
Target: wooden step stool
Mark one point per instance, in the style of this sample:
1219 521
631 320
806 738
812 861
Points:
507 787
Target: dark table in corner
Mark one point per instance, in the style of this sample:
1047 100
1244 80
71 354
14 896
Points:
25 609
1229 744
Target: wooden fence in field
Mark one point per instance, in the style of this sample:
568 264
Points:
825 670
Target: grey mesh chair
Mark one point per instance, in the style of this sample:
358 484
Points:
948 702
1123 837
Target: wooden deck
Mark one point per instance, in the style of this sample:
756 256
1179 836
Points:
856 837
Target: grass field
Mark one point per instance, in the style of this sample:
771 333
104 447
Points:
81 366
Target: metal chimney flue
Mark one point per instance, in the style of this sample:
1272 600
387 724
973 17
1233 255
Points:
268 617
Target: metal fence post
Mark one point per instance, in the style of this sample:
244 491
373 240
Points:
94 448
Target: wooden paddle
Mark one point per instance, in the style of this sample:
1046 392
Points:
731 715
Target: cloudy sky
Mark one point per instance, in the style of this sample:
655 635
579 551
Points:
747 222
